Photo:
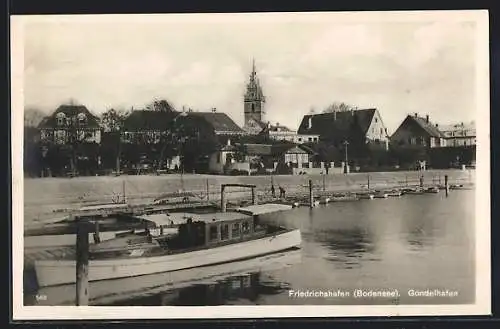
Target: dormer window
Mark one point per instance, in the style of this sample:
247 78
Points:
82 118
61 119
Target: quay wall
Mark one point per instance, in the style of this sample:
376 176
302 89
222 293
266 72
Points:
44 195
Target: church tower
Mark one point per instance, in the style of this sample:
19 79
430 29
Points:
254 104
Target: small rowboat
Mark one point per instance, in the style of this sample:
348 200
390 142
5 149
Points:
394 194
366 196
346 197
381 195
433 189
416 190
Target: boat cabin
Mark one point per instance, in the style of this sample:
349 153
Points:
216 228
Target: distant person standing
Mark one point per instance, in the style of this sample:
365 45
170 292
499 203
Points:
282 192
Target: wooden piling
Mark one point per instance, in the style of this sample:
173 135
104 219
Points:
422 181
406 180
208 191
82 263
368 181
223 199
311 196
446 186
97 237
124 193
254 199
324 182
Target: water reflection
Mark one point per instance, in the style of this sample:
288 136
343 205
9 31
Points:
346 246
233 290
243 276
412 242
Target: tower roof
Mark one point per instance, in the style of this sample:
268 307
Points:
254 89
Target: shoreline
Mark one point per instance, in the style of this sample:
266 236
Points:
48 198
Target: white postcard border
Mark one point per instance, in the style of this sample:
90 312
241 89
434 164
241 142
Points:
483 254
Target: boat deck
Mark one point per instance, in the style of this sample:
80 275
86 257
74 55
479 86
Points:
31 255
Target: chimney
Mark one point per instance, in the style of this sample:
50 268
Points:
427 118
309 123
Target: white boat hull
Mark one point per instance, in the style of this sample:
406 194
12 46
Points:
57 272
110 291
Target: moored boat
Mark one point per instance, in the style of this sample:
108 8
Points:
344 197
366 196
204 239
416 190
380 195
432 189
394 193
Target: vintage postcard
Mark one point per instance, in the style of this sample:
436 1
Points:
250 165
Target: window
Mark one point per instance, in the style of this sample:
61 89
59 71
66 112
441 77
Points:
300 139
376 120
61 119
315 139
82 118
213 232
224 232
309 139
253 107
381 131
236 230
245 228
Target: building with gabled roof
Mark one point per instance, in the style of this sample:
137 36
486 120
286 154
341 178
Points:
362 129
416 131
279 132
70 123
460 134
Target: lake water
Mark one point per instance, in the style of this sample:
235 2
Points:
397 245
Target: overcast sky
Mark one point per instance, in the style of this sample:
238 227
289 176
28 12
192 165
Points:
399 66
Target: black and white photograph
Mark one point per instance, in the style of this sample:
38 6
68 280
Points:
317 164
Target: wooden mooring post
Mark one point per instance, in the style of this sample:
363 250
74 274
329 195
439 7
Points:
223 198
446 186
97 237
254 197
208 191
311 196
324 182
422 181
82 262
368 183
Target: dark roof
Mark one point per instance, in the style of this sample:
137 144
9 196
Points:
70 111
337 125
221 122
428 127
277 128
148 120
